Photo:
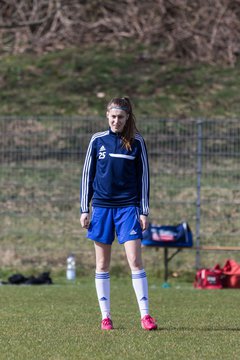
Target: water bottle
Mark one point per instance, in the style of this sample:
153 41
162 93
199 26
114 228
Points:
71 267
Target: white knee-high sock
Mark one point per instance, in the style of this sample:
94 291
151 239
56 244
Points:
140 285
102 282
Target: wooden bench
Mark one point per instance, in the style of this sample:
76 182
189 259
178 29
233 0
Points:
217 248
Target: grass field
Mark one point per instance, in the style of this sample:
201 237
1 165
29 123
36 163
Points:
62 322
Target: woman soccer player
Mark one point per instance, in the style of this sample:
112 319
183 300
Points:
116 179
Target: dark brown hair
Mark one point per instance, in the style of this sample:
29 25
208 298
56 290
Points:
130 128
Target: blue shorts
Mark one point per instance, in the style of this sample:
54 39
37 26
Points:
106 222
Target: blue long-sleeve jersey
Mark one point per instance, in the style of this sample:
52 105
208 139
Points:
114 176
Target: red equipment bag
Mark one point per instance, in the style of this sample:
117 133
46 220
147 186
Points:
209 279
231 271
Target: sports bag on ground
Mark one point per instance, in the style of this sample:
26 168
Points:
209 279
231 271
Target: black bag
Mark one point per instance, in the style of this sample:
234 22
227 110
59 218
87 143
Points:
19 279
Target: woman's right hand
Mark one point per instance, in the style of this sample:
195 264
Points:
85 220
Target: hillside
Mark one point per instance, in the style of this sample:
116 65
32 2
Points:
80 82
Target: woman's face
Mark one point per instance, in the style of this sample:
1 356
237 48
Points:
117 119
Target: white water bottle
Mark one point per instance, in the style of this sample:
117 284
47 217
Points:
71 267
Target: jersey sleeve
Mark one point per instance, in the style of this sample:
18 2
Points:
88 174
143 177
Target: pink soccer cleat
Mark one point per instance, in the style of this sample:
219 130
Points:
148 323
106 324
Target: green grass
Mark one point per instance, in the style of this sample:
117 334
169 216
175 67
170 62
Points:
69 82
62 322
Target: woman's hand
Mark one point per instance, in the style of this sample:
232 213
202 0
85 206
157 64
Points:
85 220
143 222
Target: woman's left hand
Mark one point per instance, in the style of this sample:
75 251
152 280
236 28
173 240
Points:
143 222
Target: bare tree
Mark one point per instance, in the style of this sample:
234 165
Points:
203 31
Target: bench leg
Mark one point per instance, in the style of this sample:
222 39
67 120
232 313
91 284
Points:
166 261
165 264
